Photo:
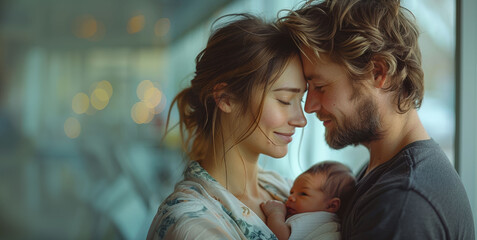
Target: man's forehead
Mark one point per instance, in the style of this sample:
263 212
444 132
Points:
313 57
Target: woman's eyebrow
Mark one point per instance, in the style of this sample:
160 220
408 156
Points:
289 89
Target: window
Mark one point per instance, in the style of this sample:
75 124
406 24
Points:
79 135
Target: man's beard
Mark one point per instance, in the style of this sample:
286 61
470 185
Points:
363 126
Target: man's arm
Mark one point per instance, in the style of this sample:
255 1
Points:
276 213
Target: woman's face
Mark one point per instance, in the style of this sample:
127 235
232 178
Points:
282 113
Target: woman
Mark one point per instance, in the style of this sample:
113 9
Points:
245 100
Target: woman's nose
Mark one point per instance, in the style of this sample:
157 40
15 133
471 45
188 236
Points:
298 118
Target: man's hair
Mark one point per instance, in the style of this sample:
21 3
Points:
339 181
358 33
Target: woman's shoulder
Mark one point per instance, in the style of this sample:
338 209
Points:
187 197
186 212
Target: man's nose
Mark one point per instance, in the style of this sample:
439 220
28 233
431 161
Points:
313 103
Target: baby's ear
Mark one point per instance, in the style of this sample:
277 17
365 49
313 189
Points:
222 99
333 205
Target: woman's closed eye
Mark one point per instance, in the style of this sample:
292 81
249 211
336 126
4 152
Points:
299 99
284 102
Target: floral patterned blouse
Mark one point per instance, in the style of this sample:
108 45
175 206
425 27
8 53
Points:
201 208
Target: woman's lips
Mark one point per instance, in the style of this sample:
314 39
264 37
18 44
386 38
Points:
286 137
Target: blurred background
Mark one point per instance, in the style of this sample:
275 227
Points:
85 88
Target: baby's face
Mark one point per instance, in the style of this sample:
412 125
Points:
306 195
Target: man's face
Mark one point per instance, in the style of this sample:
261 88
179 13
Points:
349 116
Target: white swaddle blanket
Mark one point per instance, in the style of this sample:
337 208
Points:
314 225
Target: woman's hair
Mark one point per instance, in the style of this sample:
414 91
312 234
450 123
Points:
243 57
339 181
356 34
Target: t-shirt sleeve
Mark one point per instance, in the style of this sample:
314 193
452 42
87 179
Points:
398 214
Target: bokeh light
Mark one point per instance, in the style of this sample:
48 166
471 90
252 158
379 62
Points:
162 105
99 98
162 27
101 30
85 26
101 93
141 114
136 24
80 103
152 102
152 97
72 127
106 86
143 87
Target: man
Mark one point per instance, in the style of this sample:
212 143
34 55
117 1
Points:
365 82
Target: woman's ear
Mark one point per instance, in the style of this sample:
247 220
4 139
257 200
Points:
222 99
380 72
333 205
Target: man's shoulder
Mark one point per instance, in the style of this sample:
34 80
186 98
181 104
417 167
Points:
421 168
424 152
444 215
421 171
416 165
417 184
424 168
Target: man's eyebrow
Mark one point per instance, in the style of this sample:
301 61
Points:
289 89
312 76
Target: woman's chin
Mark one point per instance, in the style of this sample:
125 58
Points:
279 154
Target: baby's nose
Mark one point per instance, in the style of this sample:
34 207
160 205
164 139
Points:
291 198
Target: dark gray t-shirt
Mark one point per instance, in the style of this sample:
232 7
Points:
415 195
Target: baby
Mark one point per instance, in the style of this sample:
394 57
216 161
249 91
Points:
316 198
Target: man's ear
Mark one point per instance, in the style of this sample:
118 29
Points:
222 99
333 205
380 72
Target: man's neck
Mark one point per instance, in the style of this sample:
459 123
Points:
399 130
